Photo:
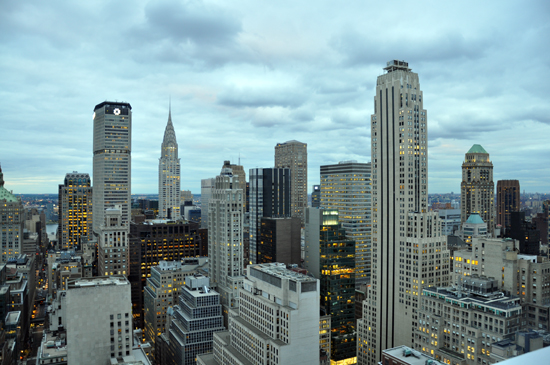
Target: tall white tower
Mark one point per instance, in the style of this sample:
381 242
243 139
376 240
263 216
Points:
408 250
169 175
112 160
225 236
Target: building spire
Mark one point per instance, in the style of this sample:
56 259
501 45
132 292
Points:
1 176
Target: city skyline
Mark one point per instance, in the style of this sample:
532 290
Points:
245 77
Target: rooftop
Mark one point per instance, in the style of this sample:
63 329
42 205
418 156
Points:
12 317
410 356
52 346
475 218
279 270
473 300
395 65
97 281
477 149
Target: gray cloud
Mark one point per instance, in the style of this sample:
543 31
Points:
245 76
262 97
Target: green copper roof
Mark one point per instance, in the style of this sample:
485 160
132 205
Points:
5 194
474 218
477 149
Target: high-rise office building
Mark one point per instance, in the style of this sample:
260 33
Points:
270 196
293 154
225 236
330 258
112 160
113 244
346 187
196 317
75 210
279 240
11 223
207 185
276 322
151 242
160 294
508 201
169 175
316 196
408 250
477 190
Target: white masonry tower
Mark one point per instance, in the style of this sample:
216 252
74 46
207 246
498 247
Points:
408 250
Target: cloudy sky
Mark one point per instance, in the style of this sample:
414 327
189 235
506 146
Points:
244 75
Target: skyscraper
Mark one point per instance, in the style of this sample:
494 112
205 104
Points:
508 201
330 258
112 160
408 249
477 190
346 187
75 210
293 154
169 175
269 197
225 236
11 223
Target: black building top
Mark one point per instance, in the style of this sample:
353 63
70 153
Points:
113 104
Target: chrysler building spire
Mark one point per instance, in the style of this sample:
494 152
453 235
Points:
169 174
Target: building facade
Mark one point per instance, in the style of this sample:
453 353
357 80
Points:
270 196
522 275
196 318
75 211
477 190
279 241
450 220
207 185
346 186
225 236
316 196
98 320
458 325
508 201
293 155
330 258
11 222
153 242
112 160
276 322
408 249
113 246
169 175
161 293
